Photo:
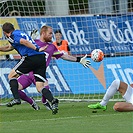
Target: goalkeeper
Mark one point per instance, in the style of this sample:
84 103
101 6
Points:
51 51
124 89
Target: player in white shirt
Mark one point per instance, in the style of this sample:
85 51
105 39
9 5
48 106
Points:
124 89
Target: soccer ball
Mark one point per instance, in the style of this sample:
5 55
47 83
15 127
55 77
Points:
97 55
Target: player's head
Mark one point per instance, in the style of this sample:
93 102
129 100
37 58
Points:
8 28
58 34
46 33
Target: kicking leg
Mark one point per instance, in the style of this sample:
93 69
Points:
48 95
113 88
29 100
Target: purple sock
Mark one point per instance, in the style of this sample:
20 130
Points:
24 97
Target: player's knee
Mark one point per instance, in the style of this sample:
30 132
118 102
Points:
43 88
12 74
117 106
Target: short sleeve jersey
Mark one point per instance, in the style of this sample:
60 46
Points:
14 39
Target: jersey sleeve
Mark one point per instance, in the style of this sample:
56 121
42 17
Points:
17 38
57 54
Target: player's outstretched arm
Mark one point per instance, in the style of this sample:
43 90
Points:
81 60
28 44
6 48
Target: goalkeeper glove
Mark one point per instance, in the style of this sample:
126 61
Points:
83 61
34 34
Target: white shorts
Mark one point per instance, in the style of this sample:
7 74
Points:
129 95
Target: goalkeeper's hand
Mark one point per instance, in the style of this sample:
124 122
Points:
85 62
34 34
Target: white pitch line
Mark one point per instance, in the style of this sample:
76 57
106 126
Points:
117 113
65 118
60 118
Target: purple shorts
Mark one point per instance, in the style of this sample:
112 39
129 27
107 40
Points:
26 80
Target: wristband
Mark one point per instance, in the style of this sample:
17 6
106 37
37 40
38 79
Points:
37 49
78 59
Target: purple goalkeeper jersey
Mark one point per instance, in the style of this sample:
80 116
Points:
51 51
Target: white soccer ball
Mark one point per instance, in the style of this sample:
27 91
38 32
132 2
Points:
97 55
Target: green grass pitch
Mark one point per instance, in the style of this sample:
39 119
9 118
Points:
73 117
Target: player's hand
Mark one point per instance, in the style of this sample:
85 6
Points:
43 48
85 62
34 34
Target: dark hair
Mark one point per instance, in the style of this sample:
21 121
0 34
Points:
58 31
8 27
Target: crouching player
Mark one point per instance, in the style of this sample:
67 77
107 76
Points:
124 89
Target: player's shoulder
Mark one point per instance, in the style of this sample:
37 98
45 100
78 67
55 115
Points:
37 40
18 32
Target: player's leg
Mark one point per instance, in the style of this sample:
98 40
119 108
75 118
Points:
25 81
21 67
29 100
127 93
14 88
41 82
24 97
123 107
43 88
48 95
113 88
45 102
